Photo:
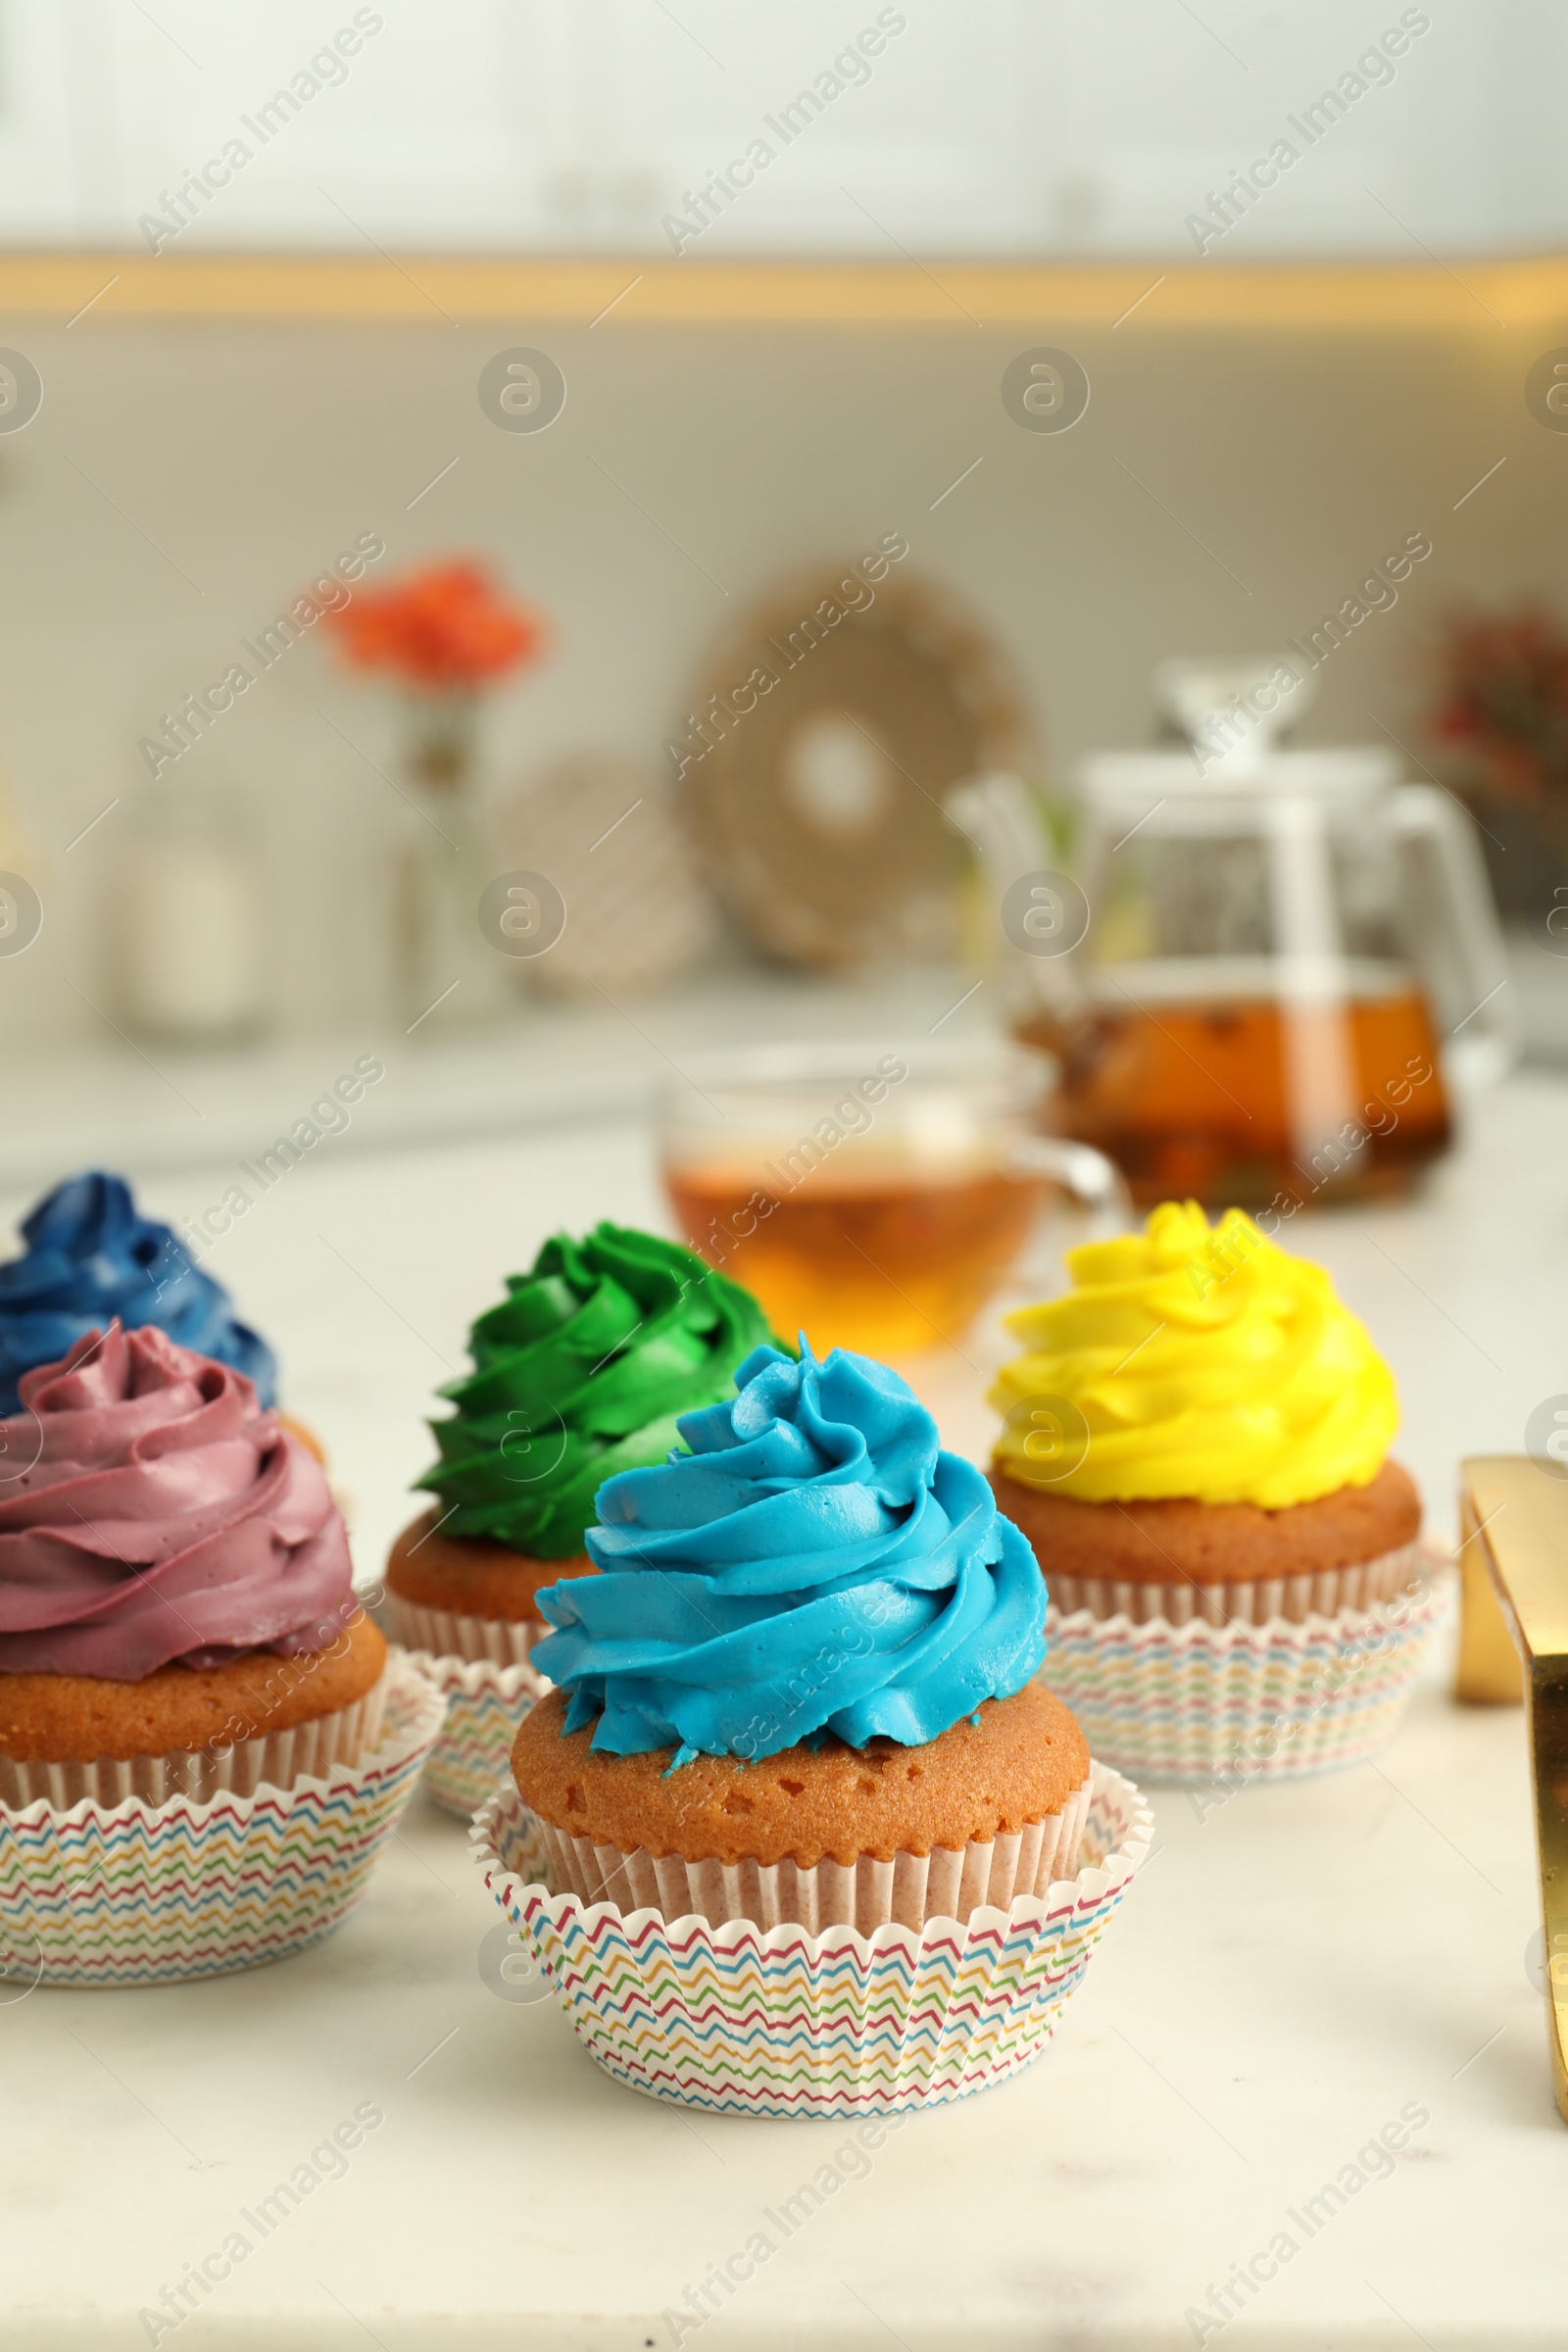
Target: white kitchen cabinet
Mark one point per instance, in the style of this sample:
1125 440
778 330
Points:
828 128
839 127
56 134
1383 128
297 125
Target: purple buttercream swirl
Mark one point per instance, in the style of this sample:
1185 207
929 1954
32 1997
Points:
166 1518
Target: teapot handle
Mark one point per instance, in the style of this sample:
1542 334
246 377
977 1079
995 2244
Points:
1485 1041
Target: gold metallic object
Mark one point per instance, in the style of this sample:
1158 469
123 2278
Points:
1519 1515
1488 1672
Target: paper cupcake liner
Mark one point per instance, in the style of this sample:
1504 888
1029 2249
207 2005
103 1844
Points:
1235 1703
1296 1599
775 2021
278 1758
134 1894
485 1705
948 1883
504 1642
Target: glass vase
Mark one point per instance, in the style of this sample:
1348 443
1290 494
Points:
447 974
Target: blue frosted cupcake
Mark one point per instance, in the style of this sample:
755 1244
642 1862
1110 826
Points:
801 1686
90 1258
804 1836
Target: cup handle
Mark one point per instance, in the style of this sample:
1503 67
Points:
1093 1182
1085 1172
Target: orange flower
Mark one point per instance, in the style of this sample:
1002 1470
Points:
442 630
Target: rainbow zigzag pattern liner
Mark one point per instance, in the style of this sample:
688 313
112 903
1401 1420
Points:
775 2022
485 1706
1233 1704
139 1895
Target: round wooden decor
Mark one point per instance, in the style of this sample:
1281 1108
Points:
826 728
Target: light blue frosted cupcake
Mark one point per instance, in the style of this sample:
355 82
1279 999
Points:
808 1660
804 1834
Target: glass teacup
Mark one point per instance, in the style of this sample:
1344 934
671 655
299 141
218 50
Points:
872 1197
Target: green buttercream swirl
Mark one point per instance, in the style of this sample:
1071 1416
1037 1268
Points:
580 1372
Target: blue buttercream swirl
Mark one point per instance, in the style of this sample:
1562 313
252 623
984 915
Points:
90 1256
815 1564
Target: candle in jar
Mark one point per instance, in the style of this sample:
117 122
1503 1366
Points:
190 937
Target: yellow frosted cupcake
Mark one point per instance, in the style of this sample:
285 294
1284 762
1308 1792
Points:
1197 1434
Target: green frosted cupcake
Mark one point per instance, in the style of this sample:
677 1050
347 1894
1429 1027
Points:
581 1371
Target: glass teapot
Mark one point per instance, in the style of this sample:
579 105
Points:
1266 972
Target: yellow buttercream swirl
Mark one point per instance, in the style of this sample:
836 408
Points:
1199 1362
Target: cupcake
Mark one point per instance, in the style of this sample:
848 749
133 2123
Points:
92 1259
579 1373
798 1720
192 1703
1196 1442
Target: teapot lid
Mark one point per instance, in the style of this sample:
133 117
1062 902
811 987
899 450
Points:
1233 713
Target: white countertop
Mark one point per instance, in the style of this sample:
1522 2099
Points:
146 1105
1291 1974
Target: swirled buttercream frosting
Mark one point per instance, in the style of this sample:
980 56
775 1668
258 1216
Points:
1196 1362
814 1564
581 1372
151 1511
91 1257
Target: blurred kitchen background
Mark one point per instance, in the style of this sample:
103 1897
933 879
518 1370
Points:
568 357
298 363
